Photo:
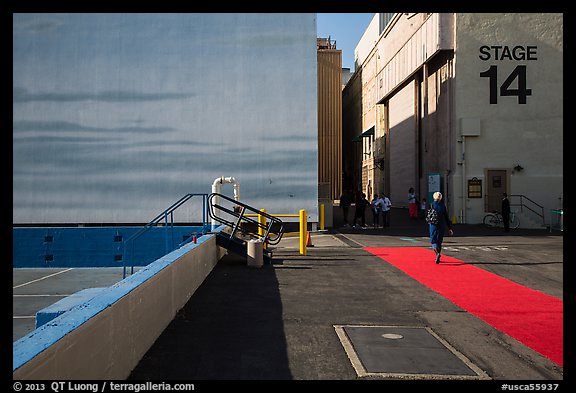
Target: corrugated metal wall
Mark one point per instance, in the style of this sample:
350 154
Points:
330 120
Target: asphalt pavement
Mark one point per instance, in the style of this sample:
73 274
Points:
342 313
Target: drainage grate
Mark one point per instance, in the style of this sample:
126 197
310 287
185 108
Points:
403 352
347 240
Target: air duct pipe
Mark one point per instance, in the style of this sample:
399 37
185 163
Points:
216 186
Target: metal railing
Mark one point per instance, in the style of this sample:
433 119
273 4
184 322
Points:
236 217
558 214
302 224
168 217
530 205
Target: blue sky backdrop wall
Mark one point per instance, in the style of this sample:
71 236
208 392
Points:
116 116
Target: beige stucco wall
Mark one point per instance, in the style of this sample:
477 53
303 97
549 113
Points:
528 134
111 343
408 42
367 42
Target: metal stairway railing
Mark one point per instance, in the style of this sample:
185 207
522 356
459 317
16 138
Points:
168 217
265 227
530 205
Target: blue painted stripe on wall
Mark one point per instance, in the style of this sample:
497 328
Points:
92 246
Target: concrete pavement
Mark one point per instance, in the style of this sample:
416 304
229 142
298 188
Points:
33 289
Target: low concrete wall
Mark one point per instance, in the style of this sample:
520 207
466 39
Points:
66 304
106 337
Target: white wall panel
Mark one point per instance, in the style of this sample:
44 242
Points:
116 116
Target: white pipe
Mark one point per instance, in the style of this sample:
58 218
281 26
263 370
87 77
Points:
217 185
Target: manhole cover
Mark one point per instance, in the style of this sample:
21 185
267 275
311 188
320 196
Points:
404 352
392 336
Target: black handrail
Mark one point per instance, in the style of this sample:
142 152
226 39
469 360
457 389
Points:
532 209
164 215
239 222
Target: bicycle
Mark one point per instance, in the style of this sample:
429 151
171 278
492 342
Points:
494 219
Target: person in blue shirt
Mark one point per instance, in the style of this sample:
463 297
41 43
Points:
437 231
376 206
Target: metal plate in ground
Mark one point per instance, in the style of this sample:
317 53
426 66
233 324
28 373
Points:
403 352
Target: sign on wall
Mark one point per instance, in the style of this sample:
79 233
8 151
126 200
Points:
434 184
514 83
474 188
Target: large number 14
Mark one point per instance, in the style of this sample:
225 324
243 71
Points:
518 73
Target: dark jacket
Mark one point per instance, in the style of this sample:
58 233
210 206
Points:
505 207
345 200
361 203
443 218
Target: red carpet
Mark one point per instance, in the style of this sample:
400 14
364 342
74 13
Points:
529 316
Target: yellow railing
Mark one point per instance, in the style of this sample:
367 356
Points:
303 220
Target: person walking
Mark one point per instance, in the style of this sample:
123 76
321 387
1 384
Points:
412 203
360 211
345 202
438 228
506 212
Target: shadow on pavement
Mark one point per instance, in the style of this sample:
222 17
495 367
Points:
231 328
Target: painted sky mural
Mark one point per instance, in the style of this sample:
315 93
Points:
116 116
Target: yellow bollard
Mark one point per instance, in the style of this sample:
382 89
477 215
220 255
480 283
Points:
262 222
321 216
303 231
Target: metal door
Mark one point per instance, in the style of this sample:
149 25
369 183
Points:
496 185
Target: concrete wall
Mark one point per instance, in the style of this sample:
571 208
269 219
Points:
115 116
366 43
106 337
408 81
511 132
410 42
436 147
402 138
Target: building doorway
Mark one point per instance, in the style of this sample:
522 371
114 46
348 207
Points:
497 183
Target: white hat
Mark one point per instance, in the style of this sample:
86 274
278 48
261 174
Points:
437 196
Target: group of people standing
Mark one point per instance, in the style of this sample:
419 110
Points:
380 206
